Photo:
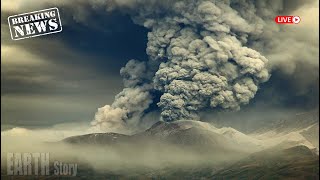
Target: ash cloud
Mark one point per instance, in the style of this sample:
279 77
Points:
202 63
208 55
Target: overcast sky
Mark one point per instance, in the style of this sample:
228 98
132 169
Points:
65 77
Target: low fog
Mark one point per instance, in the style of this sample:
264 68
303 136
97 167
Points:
121 158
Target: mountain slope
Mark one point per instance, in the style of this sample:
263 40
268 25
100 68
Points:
298 162
192 134
293 123
97 138
225 152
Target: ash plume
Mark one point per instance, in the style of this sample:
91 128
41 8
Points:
130 102
199 49
201 58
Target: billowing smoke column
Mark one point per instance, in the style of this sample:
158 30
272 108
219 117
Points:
131 102
198 59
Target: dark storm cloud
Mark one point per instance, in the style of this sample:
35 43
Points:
108 37
291 5
66 76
